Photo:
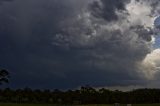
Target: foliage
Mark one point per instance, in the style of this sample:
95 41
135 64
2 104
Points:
12 104
85 95
4 76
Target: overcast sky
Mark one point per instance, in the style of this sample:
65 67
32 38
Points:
70 43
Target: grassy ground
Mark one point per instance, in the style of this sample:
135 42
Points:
8 104
147 105
77 105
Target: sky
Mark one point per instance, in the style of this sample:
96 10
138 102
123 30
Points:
66 44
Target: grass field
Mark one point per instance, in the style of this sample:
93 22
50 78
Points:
72 105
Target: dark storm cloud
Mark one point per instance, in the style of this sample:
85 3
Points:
143 33
1 1
112 52
107 8
27 29
64 44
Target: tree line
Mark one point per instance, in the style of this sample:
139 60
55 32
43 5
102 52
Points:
84 95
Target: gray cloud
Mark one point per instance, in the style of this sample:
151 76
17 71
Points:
66 44
1 1
104 43
107 8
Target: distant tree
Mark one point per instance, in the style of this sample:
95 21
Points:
4 76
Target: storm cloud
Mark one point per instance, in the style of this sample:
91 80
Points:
107 9
67 44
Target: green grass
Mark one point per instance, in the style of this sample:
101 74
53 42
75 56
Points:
147 105
125 105
69 105
11 104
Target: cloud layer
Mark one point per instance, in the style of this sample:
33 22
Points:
66 44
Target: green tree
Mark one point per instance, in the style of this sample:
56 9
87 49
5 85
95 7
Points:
4 76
